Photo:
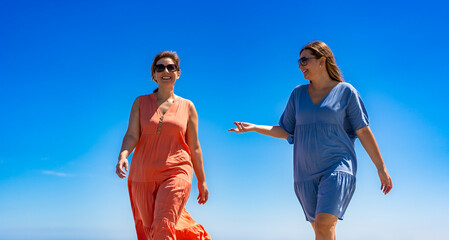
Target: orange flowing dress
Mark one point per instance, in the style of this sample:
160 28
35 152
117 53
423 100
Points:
160 174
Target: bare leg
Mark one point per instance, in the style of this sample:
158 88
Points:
313 226
324 226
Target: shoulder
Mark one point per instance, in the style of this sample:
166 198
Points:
187 104
144 97
300 87
190 107
184 101
346 85
347 89
140 99
297 90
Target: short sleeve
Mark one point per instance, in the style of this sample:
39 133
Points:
288 118
356 112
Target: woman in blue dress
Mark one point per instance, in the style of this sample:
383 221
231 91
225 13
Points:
322 119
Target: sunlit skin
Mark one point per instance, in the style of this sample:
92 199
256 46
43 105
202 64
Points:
320 85
165 96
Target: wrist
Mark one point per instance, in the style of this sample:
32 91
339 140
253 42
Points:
256 128
381 168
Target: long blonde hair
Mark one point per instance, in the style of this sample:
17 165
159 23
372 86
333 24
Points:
320 49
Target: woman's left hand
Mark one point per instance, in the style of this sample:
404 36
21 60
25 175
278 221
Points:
243 127
385 180
203 195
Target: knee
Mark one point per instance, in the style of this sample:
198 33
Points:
324 228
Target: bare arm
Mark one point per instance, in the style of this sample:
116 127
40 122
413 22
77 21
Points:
369 143
130 140
196 154
273 131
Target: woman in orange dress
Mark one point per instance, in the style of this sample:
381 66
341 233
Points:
163 129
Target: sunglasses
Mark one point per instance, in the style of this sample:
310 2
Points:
304 61
169 67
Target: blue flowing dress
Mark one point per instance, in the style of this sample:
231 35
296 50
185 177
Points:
323 135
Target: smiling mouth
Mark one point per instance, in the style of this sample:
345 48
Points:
166 78
305 71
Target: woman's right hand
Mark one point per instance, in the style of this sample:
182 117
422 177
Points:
243 127
385 180
122 163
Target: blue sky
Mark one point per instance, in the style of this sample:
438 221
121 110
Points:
70 71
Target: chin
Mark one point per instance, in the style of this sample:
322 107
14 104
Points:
167 82
167 85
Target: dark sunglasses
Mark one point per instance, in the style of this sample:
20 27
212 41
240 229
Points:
304 61
169 67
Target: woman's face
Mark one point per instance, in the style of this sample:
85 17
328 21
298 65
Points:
309 64
167 75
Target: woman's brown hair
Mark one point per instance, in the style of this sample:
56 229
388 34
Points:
320 49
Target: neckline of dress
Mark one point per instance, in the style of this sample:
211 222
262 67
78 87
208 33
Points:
175 100
319 103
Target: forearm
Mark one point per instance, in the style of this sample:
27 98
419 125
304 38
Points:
273 131
128 145
369 143
197 161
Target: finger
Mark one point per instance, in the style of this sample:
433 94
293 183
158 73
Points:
238 126
232 130
117 171
121 173
121 170
239 129
383 188
126 166
204 199
390 186
242 127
